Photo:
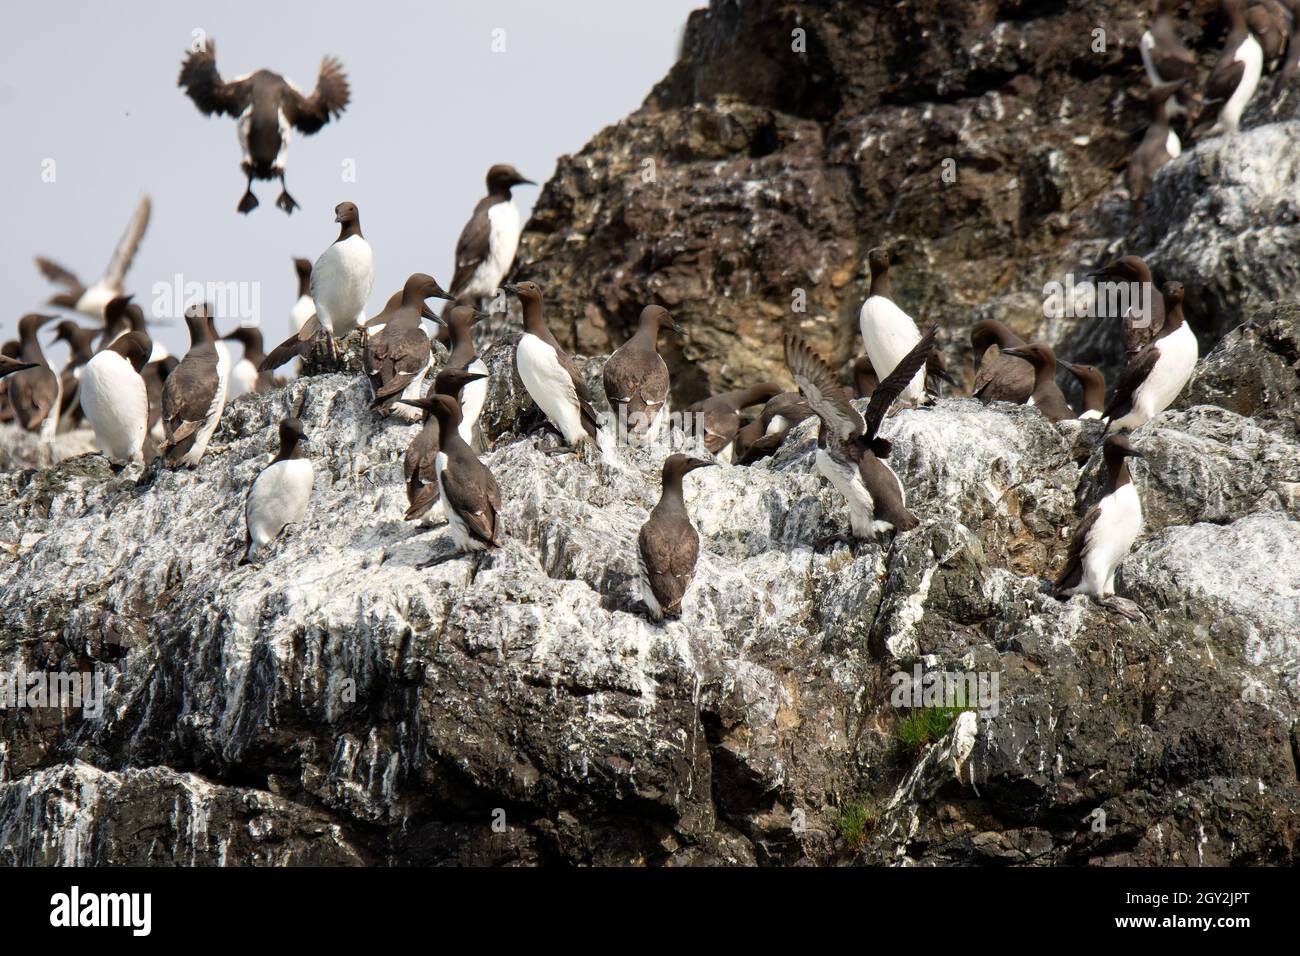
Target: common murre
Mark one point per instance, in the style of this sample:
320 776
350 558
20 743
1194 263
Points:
1106 534
888 333
1159 145
90 300
668 545
267 107
81 346
485 249
459 320
999 377
780 414
1046 397
194 394
397 358
1139 325
1156 375
246 374
280 492
1234 78
36 393
115 399
1269 22
849 452
9 364
471 498
420 466
719 416
636 377
1165 57
341 281
550 376
303 307
1094 390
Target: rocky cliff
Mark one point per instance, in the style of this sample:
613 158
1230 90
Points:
339 703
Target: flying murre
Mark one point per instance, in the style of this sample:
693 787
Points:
1106 534
1164 55
485 249
888 333
1159 145
194 394
636 376
279 494
1234 78
470 496
420 466
459 319
115 399
849 452
999 377
1156 375
246 375
1094 390
1047 397
719 416
398 357
90 300
668 545
550 376
341 281
267 107
1138 329
36 392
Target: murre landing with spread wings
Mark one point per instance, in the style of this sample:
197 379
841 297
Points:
486 248
849 452
668 546
266 107
91 299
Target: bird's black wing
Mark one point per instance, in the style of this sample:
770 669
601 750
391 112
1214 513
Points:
1134 375
204 85
825 395
310 113
124 251
472 245
898 379
1072 573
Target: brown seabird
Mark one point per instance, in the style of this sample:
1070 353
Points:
116 400
471 498
636 377
1138 329
999 377
1094 390
90 300
668 546
398 357
194 394
1159 145
35 392
487 244
718 418
420 466
1046 397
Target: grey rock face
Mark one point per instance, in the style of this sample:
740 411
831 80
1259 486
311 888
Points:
339 703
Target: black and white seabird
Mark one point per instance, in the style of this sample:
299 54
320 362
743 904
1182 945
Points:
668 545
36 393
888 333
341 281
718 418
303 307
116 400
1234 78
636 377
1159 145
420 468
550 376
780 414
279 494
267 107
486 248
194 394
1106 534
849 452
1164 55
999 377
90 300
1094 390
398 357
459 320
865 379
246 375
1046 397
470 496
1138 329
1156 375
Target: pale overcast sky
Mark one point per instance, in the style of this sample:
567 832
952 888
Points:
92 86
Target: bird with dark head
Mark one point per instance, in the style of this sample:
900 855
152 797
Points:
1046 397
668 545
636 378
398 357
486 248
470 495
423 492
280 492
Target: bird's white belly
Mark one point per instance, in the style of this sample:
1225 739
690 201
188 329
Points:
1252 55
460 532
302 310
848 482
550 386
472 397
413 390
1178 354
1110 539
341 282
243 379
279 497
888 334
1173 145
116 404
504 227
94 299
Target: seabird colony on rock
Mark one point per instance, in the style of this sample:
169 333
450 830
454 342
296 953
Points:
135 396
